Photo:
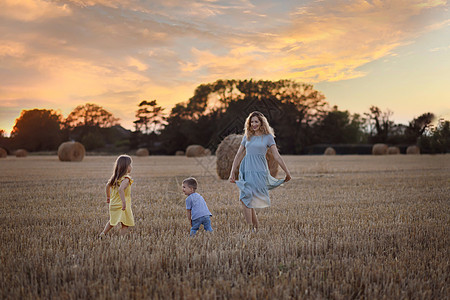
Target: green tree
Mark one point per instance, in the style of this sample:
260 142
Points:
378 124
339 127
221 108
150 117
219 95
93 139
88 124
417 127
90 115
437 140
5 142
37 130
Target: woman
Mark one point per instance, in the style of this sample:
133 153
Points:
254 178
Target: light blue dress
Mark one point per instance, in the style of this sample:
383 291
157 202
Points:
255 180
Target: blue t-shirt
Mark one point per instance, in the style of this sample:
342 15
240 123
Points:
197 205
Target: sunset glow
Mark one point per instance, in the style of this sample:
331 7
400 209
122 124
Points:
394 54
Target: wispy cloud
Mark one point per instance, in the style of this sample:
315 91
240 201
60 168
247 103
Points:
337 36
32 10
440 49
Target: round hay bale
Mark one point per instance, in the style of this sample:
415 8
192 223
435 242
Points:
196 151
413 150
71 151
393 150
330 151
225 155
226 152
21 153
179 153
272 163
142 152
3 153
379 149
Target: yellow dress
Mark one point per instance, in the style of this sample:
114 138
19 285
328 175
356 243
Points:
117 215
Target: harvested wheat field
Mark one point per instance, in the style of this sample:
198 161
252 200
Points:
345 227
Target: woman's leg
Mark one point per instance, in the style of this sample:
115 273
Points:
247 213
254 219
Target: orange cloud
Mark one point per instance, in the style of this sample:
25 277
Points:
327 41
11 49
31 10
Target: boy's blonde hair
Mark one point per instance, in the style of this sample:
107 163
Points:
265 127
191 182
120 169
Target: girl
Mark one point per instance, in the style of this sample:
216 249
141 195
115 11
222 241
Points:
254 178
120 198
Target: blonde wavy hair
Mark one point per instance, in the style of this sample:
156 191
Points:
120 169
265 127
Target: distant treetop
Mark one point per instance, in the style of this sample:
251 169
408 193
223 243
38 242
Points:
90 115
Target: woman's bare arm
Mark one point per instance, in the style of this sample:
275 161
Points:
280 161
237 160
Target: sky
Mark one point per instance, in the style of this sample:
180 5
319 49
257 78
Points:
394 54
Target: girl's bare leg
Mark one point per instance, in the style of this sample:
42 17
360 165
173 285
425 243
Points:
107 228
124 229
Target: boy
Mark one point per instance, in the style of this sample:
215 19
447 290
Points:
197 210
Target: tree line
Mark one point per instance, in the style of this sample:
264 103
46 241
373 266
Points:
300 115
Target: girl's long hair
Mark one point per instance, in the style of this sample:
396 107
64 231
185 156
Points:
120 169
265 127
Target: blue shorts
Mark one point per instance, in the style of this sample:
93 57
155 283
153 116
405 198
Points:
205 220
